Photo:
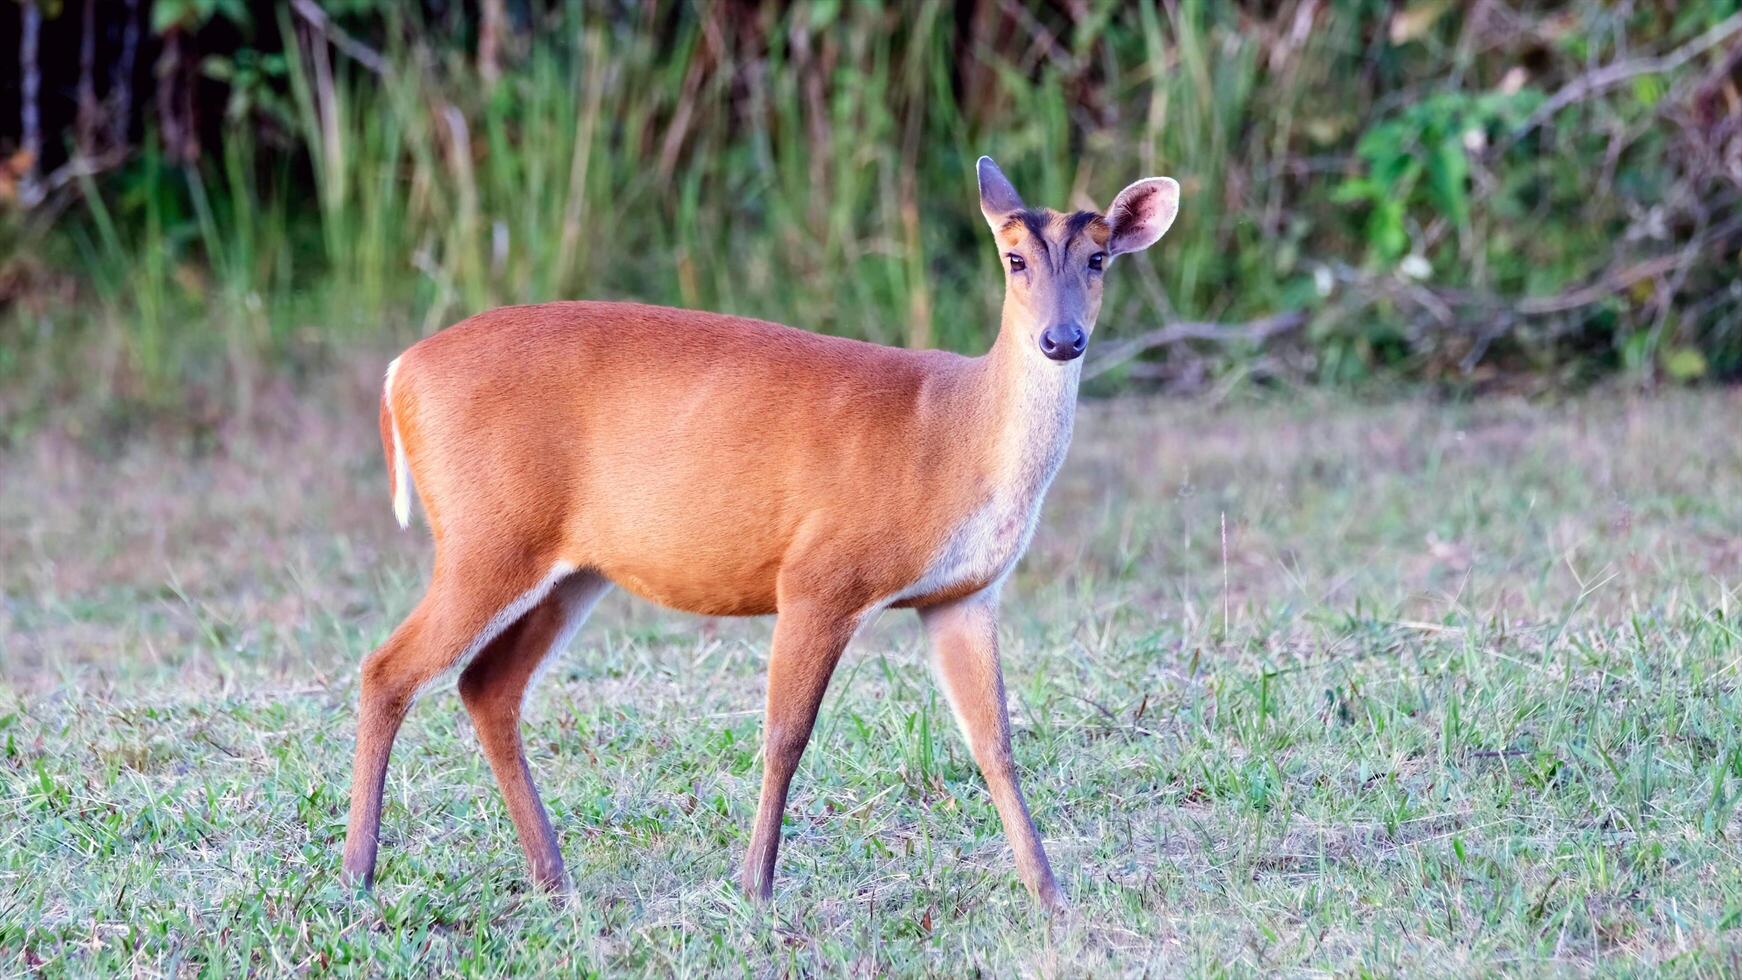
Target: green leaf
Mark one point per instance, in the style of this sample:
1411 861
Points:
167 15
1448 177
1648 89
824 12
1385 229
1684 364
219 67
1354 190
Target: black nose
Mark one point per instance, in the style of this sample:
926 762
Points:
1063 342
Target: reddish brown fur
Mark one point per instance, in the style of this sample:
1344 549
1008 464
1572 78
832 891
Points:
781 481
722 466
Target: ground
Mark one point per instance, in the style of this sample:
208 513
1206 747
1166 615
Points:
1299 686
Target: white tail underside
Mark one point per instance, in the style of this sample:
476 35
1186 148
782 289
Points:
401 471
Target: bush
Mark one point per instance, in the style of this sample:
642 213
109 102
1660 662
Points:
1421 192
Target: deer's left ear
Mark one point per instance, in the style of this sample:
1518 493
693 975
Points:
1142 213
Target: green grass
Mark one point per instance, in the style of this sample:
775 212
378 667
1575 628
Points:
1459 696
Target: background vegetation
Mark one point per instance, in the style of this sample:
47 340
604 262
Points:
1301 685
206 195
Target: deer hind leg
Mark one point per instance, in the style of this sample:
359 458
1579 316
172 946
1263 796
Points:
494 689
466 606
808 642
964 637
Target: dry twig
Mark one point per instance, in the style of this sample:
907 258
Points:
1253 331
352 48
1607 77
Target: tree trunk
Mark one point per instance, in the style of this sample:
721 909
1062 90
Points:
87 122
175 101
495 17
29 109
121 88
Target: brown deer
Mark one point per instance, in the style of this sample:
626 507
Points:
733 467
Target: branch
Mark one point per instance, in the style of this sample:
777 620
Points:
1609 76
81 166
1606 284
1253 331
356 50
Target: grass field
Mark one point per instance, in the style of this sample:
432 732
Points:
1455 693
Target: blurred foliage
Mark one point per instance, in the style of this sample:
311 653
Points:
1419 162
1474 194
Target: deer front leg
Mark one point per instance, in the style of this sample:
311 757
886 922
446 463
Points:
964 638
807 644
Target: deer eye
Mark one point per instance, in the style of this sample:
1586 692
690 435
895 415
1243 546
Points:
1016 263
1098 261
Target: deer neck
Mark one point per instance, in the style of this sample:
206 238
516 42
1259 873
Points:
1031 404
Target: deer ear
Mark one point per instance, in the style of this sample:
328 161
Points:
1142 213
997 197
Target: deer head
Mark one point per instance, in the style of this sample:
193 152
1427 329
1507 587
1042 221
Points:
1054 262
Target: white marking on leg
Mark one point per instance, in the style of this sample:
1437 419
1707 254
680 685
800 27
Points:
578 601
499 622
401 469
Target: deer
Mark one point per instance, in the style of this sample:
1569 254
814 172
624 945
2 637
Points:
726 466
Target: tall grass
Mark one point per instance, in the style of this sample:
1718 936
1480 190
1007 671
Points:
815 168
812 166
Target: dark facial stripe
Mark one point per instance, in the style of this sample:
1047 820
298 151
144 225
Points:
1036 223
1039 224
1077 222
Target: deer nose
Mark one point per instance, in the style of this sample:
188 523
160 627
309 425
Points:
1063 341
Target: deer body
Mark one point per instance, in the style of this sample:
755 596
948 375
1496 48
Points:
907 465
721 466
